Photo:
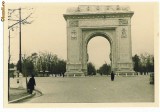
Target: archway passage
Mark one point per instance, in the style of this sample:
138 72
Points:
91 34
98 49
88 21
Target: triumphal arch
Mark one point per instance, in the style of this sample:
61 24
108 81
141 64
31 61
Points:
112 22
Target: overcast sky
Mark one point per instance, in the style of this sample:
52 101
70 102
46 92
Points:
48 32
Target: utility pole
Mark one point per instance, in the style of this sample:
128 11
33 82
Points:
20 62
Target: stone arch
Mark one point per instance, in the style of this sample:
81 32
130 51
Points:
111 22
102 34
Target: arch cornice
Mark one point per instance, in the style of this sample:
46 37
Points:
102 11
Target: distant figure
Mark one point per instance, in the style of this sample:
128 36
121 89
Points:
31 84
112 76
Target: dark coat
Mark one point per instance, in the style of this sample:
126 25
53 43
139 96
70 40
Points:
112 76
31 83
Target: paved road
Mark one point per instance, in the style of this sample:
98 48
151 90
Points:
93 90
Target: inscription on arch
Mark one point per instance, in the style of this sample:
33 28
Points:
73 23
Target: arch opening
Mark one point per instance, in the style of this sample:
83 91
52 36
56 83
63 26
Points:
98 51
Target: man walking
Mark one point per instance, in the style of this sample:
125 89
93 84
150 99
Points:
112 76
31 84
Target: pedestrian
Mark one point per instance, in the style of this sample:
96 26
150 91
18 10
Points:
31 84
112 76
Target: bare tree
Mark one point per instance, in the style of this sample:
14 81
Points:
16 18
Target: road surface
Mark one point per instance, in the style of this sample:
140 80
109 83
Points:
98 89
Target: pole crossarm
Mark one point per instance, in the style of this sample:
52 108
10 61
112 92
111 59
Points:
24 20
12 20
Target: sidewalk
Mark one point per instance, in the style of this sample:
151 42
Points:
16 93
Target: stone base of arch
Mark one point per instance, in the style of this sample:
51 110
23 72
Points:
74 69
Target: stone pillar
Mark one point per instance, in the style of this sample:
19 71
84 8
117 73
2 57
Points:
74 65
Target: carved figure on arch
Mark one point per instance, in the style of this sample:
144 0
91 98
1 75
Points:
124 34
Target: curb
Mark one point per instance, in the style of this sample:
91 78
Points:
25 97
39 91
22 98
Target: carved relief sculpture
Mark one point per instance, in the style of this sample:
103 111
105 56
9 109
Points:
73 35
124 34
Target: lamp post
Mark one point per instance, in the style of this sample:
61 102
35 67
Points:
9 58
9 66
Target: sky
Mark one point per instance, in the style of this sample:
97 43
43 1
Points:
47 33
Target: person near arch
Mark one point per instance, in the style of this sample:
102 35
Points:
31 84
112 76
